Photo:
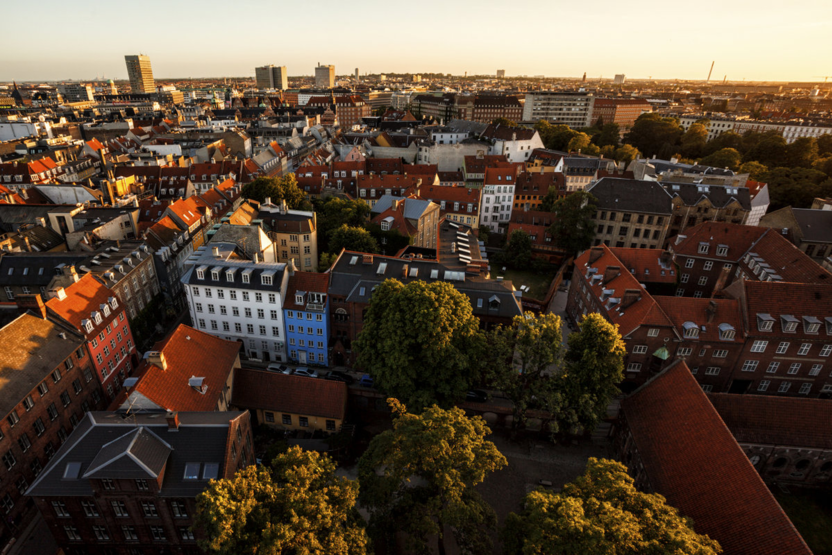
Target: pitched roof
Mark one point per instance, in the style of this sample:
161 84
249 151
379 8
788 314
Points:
778 299
139 451
701 469
83 298
506 133
816 225
259 389
738 239
689 309
306 282
188 353
770 420
631 195
720 196
647 265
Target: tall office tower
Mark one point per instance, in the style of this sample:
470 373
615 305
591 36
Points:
271 77
140 74
357 77
324 76
501 73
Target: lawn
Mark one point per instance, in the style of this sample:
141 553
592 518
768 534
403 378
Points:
811 513
538 282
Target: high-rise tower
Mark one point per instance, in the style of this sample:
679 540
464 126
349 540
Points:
140 74
271 77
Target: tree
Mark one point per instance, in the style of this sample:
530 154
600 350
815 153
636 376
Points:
825 145
724 158
770 150
729 139
326 260
653 134
693 141
796 187
333 212
504 122
297 505
610 135
485 233
277 189
802 153
555 137
626 153
419 478
755 170
581 142
574 229
523 359
602 512
518 249
421 342
353 239
593 366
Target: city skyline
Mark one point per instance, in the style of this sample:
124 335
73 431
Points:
747 41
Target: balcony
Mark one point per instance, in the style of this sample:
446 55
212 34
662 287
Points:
315 307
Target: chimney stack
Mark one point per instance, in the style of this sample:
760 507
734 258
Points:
173 421
32 302
630 296
157 358
711 310
595 253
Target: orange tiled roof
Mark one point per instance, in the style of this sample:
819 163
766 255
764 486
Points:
258 389
82 299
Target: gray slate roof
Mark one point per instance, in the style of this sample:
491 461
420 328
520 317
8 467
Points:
413 208
816 225
719 195
201 438
139 452
631 195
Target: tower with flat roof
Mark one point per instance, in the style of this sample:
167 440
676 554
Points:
140 74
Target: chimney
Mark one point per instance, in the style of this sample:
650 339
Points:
404 271
58 293
630 296
157 358
268 200
711 310
173 420
216 251
291 267
595 253
611 273
71 273
367 259
665 259
720 282
32 302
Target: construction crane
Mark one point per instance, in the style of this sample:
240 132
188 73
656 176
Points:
825 77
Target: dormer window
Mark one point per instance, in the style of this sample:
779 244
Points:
96 316
828 321
691 330
87 325
200 273
215 275
266 279
113 302
722 250
105 309
703 248
494 302
789 323
811 324
727 332
765 322
299 298
229 275
247 276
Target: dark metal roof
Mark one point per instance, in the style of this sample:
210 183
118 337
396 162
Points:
631 195
719 195
137 454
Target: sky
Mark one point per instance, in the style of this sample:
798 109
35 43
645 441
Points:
751 40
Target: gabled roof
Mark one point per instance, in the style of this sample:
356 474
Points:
307 282
506 133
778 299
137 454
816 225
83 298
163 233
690 457
738 238
647 265
720 196
631 195
681 310
273 391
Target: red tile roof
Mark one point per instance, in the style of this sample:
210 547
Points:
306 282
787 261
82 299
500 176
691 458
539 183
770 420
779 298
259 389
188 353
689 309
739 239
645 264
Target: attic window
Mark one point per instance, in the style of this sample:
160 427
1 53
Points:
247 276
191 471
353 261
691 330
703 248
722 250
87 325
361 291
96 316
414 272
765 322
299 298
229 274
210 471
811 324
381 268
266 279
215 274
72 470
479 303
200 273
726 332
494 302
789 323
113 302
434 274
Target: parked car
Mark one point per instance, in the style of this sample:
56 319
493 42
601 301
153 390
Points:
476 396
282 368
308 372
287 370
338 376
366 381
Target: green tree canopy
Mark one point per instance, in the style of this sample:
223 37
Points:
523 359
602 513
518 250
333 212
724 158
297 505
421 342
770 150
626 153
693 141
593 366
555 137
796 187
610 135
504 122
728 139
755 170
653 134
419 478
277 189
802 153
574 229
825 145
353 239
582 143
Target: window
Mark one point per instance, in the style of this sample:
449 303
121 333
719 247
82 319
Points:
108 484
825 351
65 398
191 471
782 347
60 509
141 484
634 367
149 509
90 508
269 416
101 533
794 368
39 427
28 403
684 351
304 421
712 371
703 248
76 386
772 368
784 387
763 385
178 509
56 375
330 425
703 280
185 533
43 389
639 349
119 509
708 265
210 471
759 346
804 349
721 353
52 411
653 332
129 533
685 278
13 418
287 419
805 389
815 369
750 365
24 443
72 533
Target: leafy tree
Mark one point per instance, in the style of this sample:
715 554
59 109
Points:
770 150
524 357
419 478
626 153
582 143
547 204
653 134
353 239
825 145
729 139
602 513
504 122
485 232
593 366
391 241
796 187
610 135
518 250
802 153
555 137
574 229
421 342
724 158
326 260
824 165
297 505
333 212
693 141
755 170
282 188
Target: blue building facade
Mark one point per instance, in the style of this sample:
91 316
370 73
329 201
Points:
306 318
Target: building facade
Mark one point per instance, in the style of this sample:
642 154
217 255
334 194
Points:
306 314
140 74
567 108
324 76
271 77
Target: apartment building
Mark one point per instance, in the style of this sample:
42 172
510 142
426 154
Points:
498 197
457 203
324 76
631 213
140 74
271 77
412 217
621 111
559 108
306 314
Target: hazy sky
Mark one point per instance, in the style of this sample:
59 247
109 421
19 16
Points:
751 39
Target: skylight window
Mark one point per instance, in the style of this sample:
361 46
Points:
191 471
210 471
72 470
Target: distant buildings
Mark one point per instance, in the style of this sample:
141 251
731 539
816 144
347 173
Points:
76 92
567 108
140 74
619 79
621 111
271 77
501 73
324 76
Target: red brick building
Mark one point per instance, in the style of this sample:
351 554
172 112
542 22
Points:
537 225
623 111
90 308
129 485
533 187
47 386
348 109
674 443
